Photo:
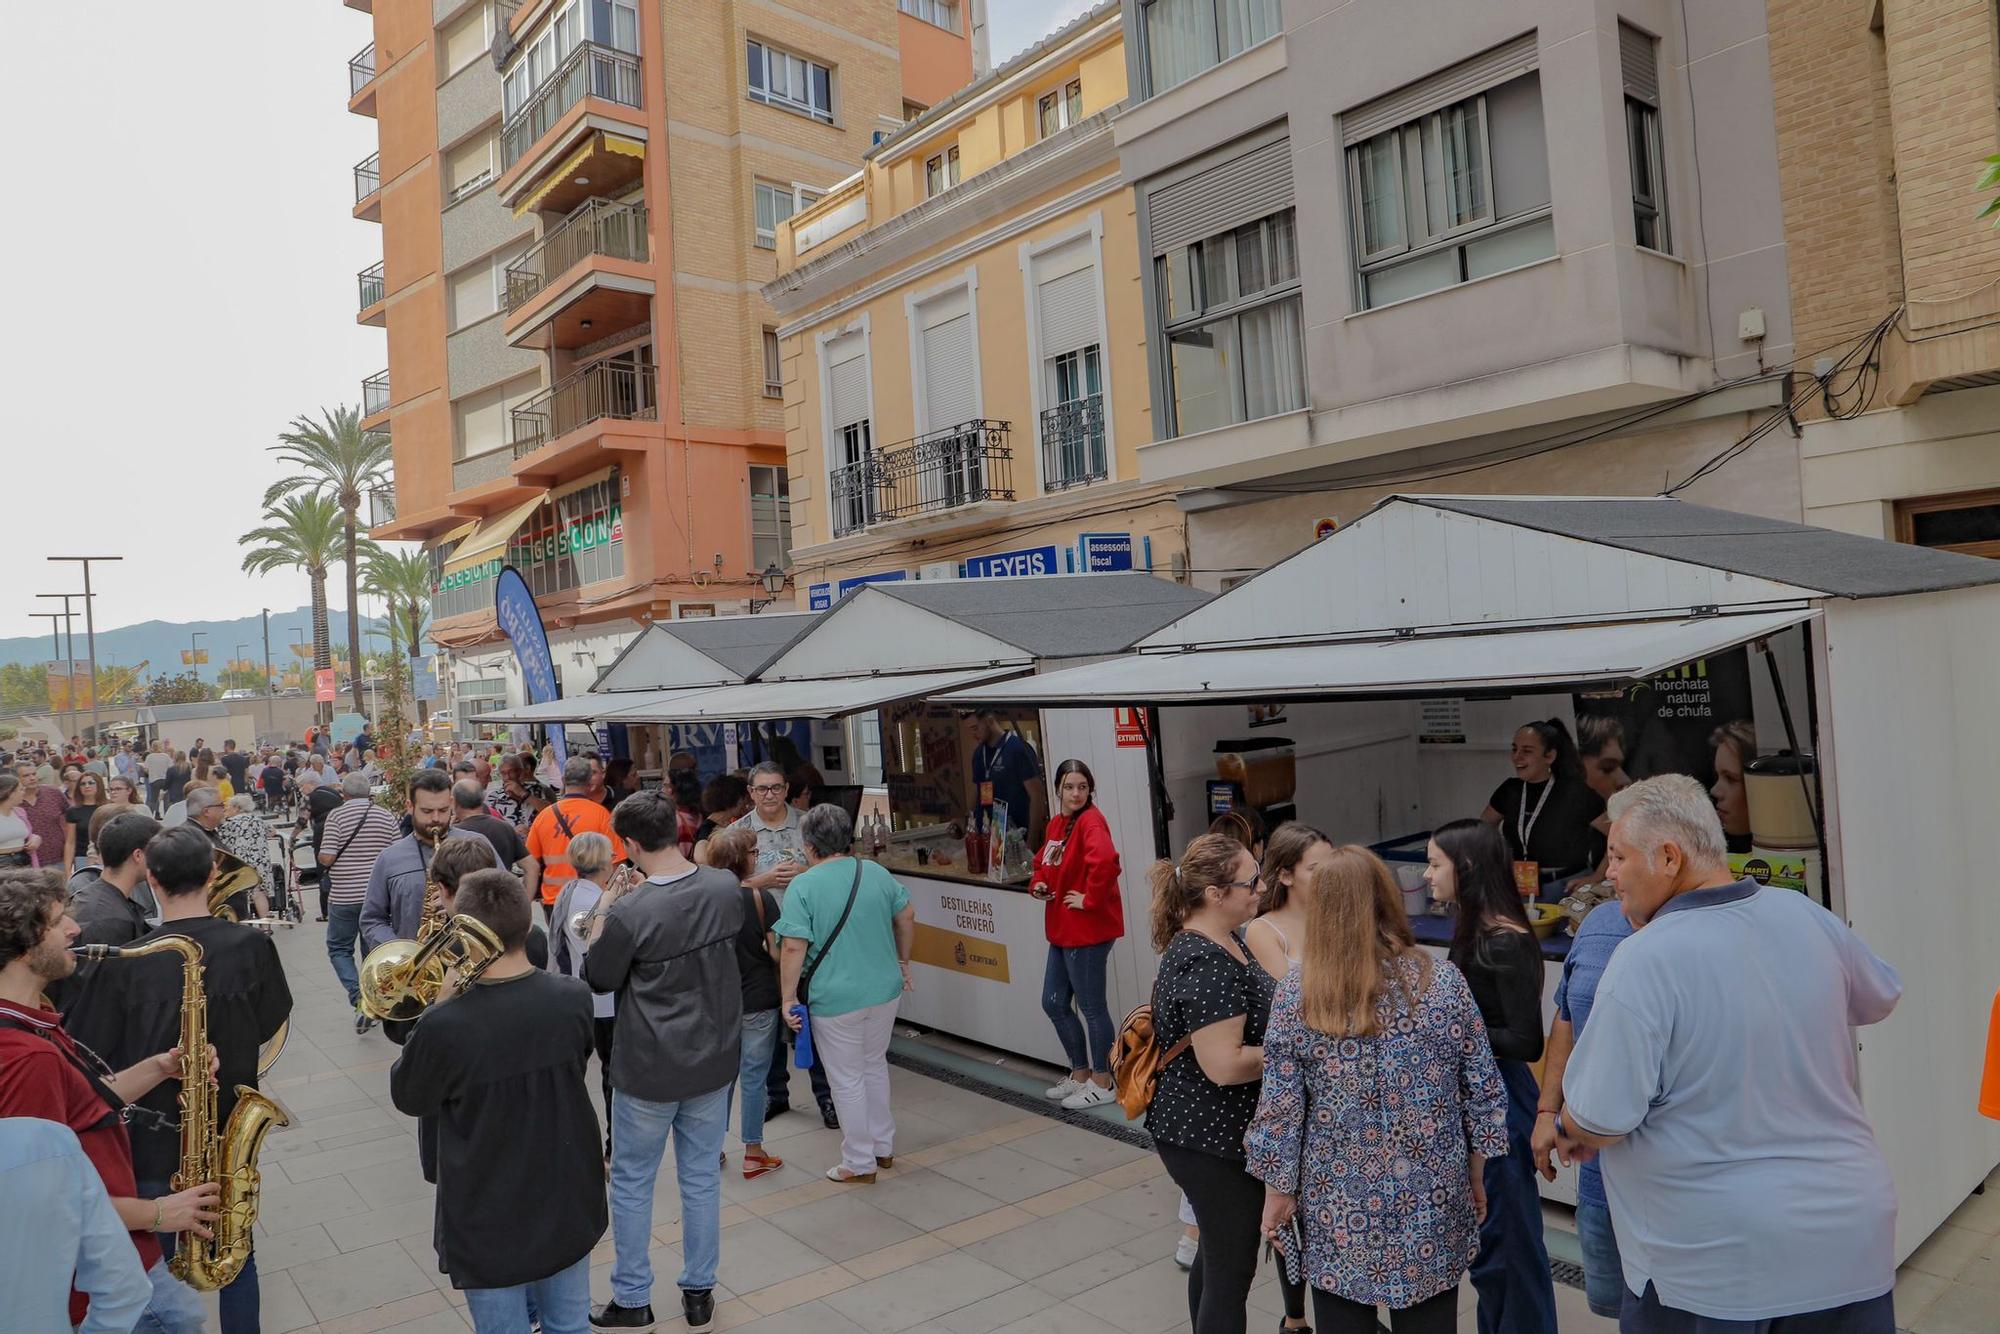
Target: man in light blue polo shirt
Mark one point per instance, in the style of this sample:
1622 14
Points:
1717 1076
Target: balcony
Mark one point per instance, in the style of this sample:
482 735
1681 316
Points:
381 506
361 81
373 291
586 278
1073 451
368 188
590 71
599 227
608 391
943 472
374 396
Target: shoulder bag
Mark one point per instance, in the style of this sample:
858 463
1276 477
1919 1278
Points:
805 978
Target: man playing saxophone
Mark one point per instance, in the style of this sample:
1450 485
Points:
127 1006
45 1073
401 882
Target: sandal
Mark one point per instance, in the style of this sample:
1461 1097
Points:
756 1164
847 1178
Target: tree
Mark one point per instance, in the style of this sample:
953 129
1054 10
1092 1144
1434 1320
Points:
341 462
305 532
182 688
23 686
403 580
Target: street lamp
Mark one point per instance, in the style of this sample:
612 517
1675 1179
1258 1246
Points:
773 580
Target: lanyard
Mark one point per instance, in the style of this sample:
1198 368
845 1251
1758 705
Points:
1526 822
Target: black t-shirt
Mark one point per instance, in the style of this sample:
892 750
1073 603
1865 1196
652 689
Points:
759 970
502 1067
1504 970
506 839
176 782
80 817
238 765
1562 837
129 1009
1200 983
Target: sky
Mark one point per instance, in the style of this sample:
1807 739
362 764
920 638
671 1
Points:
182 285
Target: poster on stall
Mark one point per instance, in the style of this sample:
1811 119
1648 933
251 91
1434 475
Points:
1668 724
1442 721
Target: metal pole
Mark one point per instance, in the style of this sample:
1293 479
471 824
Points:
69 657
55 638
270 709
90 634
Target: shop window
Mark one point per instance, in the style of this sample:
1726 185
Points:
1231 310
574 539
1184 37
932 757
940 172
1968 524
781 79
1060 108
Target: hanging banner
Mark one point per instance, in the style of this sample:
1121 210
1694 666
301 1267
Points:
60 676
324 688
521 621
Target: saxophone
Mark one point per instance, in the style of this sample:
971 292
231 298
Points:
432 920
228 1158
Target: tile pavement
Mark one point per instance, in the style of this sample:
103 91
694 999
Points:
993 1221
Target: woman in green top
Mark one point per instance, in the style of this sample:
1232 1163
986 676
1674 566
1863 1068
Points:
857 971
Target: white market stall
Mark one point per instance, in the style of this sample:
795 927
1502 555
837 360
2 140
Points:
1400 654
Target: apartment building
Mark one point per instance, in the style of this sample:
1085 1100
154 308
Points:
964 363
1885 115
580 202
1416 245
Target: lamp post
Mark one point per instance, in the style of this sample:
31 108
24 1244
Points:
194 651
56 619
69 655
90 633
773 580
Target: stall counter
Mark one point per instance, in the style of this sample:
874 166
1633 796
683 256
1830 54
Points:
992 940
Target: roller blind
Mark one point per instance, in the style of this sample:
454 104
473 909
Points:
1068 310
1638 55
467 162
1245 188
1507 61
950 395
847 380
472 296
464 39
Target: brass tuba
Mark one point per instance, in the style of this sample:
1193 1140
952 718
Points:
228 1158
400 979
232 876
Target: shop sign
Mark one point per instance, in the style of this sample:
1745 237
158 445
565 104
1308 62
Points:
1104 553
1027 562
1441 722
695 611
846 586
471 574
819 597
961 952
1128 727
323 685
1324 529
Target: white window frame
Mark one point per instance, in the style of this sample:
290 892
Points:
1165 323
773 351
947 163
803 197
821 341
937 13
967 281
1038 396
1068 111
783 516
766 55
472 185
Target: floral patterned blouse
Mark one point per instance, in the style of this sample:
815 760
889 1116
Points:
1373 1135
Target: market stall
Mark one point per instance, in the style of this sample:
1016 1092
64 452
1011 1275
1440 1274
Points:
1397 657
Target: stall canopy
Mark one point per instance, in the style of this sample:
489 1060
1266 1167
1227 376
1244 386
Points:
757 700
708 651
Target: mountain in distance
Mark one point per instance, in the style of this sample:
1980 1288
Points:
161 643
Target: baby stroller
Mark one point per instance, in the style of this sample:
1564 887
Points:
304 870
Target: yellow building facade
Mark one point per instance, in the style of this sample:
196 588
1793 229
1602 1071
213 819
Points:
963 353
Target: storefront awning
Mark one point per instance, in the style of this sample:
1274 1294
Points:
589 708
493 534
1508 662
835 698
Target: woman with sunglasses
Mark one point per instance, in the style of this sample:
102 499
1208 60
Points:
86 794
1076 874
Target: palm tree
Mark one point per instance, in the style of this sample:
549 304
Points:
305 532
342 462
403 580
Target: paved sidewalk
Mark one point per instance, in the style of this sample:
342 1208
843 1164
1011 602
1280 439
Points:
992 1220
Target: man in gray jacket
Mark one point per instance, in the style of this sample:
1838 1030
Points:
394 904
667 947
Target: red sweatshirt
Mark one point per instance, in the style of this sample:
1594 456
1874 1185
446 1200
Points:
1089 863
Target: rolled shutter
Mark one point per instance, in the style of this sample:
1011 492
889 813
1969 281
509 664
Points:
847 380
1507 61
1638 56
1249 186
951 396
1068 310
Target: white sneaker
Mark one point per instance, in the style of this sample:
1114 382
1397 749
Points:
1090 1095
1184 1250
1062 1090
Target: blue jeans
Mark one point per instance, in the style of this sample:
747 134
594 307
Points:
1603 1272
175 1309
343 937
1643 1314
760 1038
238 1303
639 1131
1511 1270
562 1300
1077 973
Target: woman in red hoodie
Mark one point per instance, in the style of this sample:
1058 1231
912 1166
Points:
1077 873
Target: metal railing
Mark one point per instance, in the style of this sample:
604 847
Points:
361 69
590 71
373 289
381 507
964 465
622 390
367 176
375 394
1073 443
596 227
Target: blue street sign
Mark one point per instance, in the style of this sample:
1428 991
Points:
847 586
1014 564
819 597
1105 552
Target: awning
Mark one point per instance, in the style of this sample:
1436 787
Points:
494 533
596 143
1505 662
587 708
833 698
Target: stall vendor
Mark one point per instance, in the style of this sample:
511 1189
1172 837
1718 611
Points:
1007 772
1552 818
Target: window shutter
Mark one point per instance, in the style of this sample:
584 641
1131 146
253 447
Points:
847 380
1247 187
1068 310
1507 61
950 395
1638 55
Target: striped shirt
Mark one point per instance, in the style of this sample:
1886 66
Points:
357 832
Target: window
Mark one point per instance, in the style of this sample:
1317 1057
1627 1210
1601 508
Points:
611 23
479 289
465 39
774 369
851 433
940 172
1060 108
480 419
1968 524
575 538
770 518
468 167
1067 321
782 79
1230 306
775 203
1642 139
912 110
1456 194
943 13
1185 37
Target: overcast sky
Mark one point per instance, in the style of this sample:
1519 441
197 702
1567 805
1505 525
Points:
182 283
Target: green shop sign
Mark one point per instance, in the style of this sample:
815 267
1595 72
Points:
583 535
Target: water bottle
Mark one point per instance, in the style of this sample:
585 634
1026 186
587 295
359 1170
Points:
802 1055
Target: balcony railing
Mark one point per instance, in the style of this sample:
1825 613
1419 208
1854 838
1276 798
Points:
361 69
372 287
375 394
1073 444
597 227
622 390
367 176
381 507
968 464
590 71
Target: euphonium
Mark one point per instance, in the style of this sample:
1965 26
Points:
400 979
228 1159
232 876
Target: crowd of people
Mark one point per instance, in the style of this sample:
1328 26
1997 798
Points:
1325 1089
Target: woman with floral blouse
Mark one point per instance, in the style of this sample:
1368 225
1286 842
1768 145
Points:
1379 1106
